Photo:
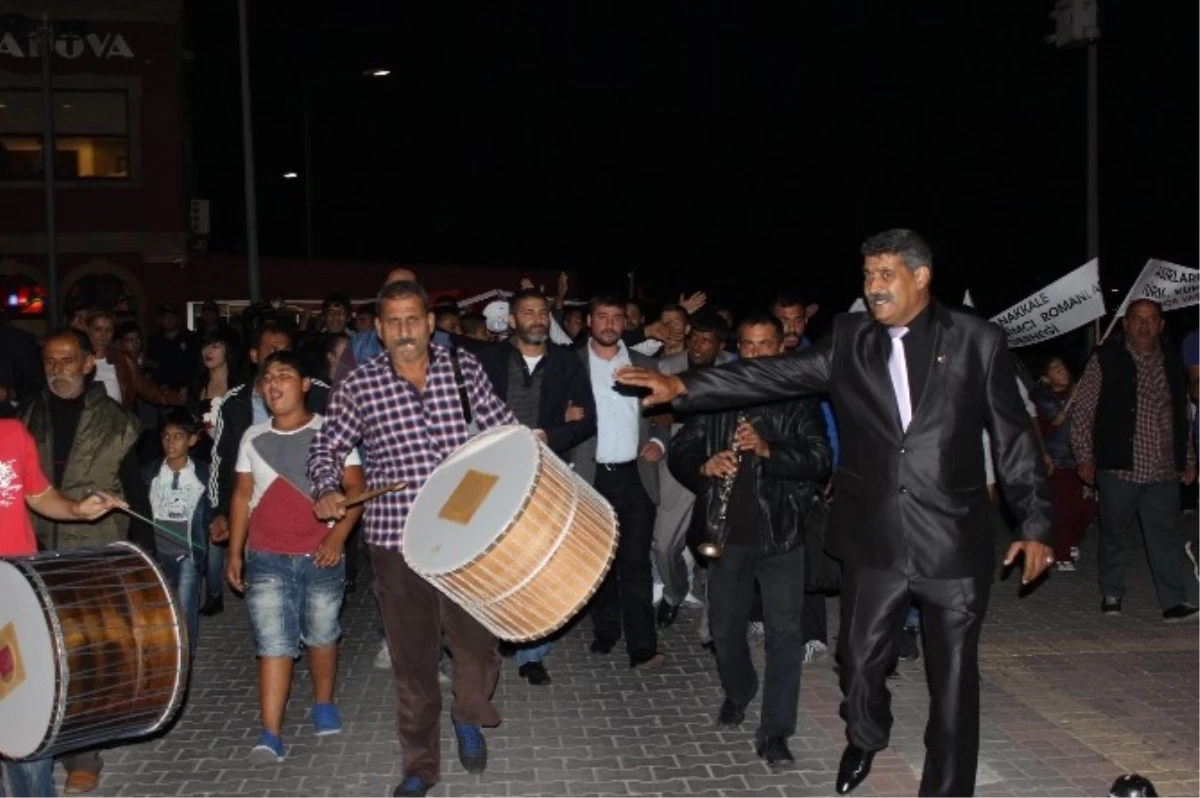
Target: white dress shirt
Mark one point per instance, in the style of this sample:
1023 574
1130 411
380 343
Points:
618 416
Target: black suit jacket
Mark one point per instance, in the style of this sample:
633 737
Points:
910 501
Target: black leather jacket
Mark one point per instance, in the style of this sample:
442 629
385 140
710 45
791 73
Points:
788 481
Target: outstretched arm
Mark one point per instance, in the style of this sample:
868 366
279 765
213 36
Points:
745 382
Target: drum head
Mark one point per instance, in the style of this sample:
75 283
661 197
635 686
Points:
27 667
470 499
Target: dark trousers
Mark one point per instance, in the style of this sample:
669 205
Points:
1156 505
731 579
416 619
626 596
874 604
814 622
1072 512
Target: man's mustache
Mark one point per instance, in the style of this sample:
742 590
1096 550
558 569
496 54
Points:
881 296
405 342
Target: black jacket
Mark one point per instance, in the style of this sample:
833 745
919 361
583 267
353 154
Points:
235 416
563 380
1116 407
788 481
911 501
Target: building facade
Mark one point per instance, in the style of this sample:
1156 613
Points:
118 125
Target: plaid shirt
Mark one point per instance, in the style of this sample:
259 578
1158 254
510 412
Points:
1153 435
405 433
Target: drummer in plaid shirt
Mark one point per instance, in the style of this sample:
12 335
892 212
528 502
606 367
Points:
404 407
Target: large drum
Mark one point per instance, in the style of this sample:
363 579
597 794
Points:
92 649
507 531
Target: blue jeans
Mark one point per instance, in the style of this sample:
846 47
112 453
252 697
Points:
912 619
184 578
292 601
29 777
533 652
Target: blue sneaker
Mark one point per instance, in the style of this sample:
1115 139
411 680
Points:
326 719
269 750
472 748
412 786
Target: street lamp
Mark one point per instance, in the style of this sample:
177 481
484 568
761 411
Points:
290 175
309 85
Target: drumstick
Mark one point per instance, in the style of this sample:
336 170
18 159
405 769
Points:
171 533
372 494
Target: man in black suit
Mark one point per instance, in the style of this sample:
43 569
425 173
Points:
913 384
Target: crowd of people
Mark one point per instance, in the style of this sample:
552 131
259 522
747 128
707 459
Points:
757 474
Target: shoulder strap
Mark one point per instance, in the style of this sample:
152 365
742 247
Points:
462 388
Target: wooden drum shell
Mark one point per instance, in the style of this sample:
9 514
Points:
120 646
546 565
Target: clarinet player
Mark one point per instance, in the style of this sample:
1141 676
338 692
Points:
756 472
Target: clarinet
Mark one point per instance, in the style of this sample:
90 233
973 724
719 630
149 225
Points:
710 548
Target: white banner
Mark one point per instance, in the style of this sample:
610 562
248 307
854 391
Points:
1064 305
1168 284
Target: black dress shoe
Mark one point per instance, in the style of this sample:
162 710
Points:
774 750
646 659
854 767
666 612
710 647
731 715
602 644
534 673
214 606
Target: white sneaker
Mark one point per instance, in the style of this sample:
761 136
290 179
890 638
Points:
815 650
1065 565
691 602
383 659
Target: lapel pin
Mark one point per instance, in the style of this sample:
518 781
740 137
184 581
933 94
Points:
941 358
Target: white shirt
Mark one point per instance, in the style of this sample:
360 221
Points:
618 416
107 373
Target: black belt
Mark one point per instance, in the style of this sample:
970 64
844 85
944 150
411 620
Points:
617 466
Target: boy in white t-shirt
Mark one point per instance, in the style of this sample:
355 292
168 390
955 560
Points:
294 565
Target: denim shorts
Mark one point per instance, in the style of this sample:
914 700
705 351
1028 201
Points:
292 601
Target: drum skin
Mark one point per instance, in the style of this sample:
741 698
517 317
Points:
120 646
539 567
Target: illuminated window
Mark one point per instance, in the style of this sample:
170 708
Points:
22 296
91 135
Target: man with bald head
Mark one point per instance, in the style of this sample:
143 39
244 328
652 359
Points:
1130 434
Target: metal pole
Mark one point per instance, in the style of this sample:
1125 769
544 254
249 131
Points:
308 175
47 42
1093 158
1091 336
248 155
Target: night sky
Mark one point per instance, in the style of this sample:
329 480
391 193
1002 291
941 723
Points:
669 137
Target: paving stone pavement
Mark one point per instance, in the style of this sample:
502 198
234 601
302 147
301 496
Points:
1071 700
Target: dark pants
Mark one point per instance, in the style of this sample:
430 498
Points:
1156 505
416 617
626 596
731 580
874 604
1072 512
814 621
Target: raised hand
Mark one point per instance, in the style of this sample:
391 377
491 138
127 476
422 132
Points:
663 387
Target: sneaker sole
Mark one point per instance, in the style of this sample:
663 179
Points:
1189 550
262 755
327 732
